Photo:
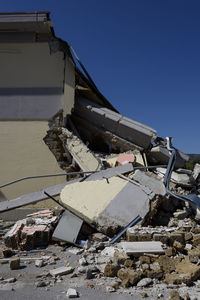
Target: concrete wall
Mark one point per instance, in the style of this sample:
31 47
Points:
31 92
23 153
31 85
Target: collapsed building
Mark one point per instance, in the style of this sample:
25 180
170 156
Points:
115 171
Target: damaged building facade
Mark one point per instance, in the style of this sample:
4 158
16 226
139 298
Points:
117 172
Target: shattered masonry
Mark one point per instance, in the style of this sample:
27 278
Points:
118 172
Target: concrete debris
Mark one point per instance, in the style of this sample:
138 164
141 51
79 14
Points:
61 271
72 293
68 228
178 178
116 171
26 235
139 248
15 263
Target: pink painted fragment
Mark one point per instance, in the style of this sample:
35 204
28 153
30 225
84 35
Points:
125 158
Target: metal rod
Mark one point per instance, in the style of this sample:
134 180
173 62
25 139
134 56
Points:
55 200
71 174
132 223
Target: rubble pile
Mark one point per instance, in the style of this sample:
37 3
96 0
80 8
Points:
34 231
129 218
134 227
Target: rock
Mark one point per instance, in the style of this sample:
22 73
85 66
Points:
167 264
15 263
178 246
39 263
72 293
100 246
188 236
129 263
144 295
176 236
186 296
99 237
103 260
109 251
144 259
92 250
10 280
155 266
174 295
170 251
144 282
154 274
125 283
83 261
120 256
110 289
61 271
193 259
41 283
89 274
82 269
163 238
196 240
188 247
111 270
76 251
196 172
7 252
145 267
132 276
180 215
87 245
186 272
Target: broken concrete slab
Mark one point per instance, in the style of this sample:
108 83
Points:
61 271
82 155
154 184
178 178
160 155
68 228
196 173
107 203
109 120
139 248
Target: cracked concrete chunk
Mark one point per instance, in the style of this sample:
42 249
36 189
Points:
113 202
61 271
154 184
178 178
81 153
139 248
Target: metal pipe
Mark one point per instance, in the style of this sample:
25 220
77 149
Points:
132 223
49 196
70 174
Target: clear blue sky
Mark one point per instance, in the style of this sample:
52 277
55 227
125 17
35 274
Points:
143 55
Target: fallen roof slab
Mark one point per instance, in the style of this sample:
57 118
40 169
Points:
55 190
107 203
